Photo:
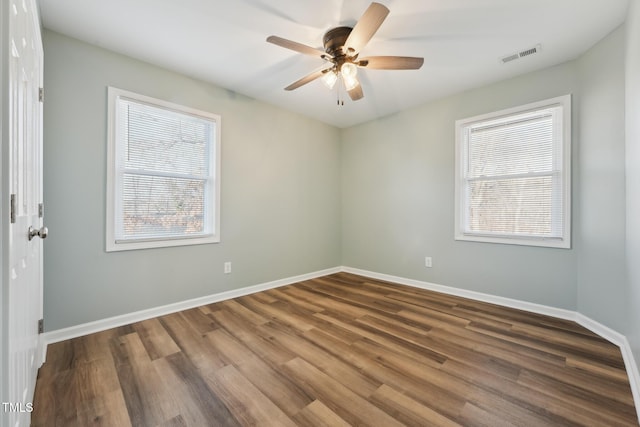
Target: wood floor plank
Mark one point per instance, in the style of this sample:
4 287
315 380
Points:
199 321
55 400
245 333
177 421
407 410
453 384
371 363
301 296
319 415
286 313
433 317
281 294
609 409
325 300
108 409
334 351
192 343
190 410
248 404
229 347
493 347
537 342
196 402
604 370
283 392
155 339
147 399
348 405
241 311
385 338
521 401
533 359
333 367
472 415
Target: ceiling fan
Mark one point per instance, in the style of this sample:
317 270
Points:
342 45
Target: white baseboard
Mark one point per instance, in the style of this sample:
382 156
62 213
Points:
595 327
137 316
605 332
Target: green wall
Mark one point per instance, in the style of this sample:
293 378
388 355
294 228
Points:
600 183
280 206
632 294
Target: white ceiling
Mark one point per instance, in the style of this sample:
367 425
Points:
223 42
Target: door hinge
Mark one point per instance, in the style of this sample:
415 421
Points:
41 326
13 209
41 94
40 210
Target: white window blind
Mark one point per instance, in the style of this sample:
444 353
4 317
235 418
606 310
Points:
513 176
164 185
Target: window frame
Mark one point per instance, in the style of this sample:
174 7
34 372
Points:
461 155
114 176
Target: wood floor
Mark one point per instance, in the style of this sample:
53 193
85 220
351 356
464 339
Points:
336 351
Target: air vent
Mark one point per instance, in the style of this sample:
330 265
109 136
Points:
522 54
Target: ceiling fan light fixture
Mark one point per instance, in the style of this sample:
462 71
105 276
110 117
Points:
329 79
350 82
348 70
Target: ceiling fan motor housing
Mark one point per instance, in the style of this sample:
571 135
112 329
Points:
335 39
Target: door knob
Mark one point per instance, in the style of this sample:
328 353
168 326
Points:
42 232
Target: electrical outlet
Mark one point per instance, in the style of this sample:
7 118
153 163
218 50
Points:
428 262
227 267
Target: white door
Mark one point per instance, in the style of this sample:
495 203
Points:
22 304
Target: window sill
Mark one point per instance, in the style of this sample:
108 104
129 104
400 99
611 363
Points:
128 245
520 241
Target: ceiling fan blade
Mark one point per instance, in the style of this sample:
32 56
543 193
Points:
298 47
366 27
391 62
356 93
307 79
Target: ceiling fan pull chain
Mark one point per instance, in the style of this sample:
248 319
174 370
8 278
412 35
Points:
342 92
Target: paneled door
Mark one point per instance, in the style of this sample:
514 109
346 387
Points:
22 262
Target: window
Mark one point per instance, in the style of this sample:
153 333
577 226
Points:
163 180
513 175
